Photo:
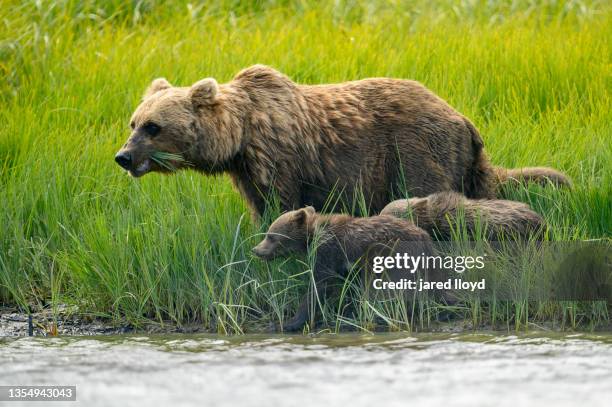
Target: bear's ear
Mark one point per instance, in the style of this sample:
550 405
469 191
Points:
157 85
302 214
203 92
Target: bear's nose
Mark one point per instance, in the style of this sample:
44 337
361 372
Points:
124 159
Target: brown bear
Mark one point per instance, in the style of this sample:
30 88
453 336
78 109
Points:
340 241
441 213
369 140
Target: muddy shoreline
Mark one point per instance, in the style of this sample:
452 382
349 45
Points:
66 321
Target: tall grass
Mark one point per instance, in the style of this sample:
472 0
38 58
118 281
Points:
533 75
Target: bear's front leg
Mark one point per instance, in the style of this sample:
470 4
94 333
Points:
301 316
323 273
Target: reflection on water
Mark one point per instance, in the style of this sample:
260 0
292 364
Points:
201 370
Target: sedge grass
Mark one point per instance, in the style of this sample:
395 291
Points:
168 160
533 76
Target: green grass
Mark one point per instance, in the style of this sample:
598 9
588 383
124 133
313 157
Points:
535 77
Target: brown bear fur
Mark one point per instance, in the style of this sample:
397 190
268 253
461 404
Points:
498 219
377 136
341 241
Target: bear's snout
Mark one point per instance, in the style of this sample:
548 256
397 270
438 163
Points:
257 251
261 252
124 159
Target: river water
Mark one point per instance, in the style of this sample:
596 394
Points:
336 370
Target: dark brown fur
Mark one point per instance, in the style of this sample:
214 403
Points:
377 136
340 240
498 219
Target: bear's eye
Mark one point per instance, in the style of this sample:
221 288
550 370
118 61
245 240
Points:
152 129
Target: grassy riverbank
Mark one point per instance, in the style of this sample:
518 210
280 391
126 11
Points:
534 78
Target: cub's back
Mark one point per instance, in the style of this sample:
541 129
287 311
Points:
355 236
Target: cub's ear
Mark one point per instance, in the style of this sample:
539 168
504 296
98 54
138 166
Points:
302 214
157 85
203 92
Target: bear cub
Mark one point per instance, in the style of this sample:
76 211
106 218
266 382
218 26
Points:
341 241
493 219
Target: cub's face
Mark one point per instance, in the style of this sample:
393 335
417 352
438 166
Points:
286 235
165 128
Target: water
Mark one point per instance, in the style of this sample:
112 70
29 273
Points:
363 370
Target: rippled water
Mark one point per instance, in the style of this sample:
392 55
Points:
436 369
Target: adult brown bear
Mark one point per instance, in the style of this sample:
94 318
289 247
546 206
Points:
373 139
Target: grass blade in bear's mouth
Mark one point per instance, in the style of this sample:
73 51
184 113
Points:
165 159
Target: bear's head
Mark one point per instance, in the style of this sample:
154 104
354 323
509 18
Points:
288 234
174 128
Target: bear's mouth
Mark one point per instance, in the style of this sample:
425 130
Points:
264 256
141 169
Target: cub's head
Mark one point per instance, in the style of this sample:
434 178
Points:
288 234
172 128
